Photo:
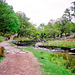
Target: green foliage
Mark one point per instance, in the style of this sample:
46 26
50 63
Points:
8 19
41 27
26 28
67 14
73 27
50 30
73 70
73 9
53 64
18 22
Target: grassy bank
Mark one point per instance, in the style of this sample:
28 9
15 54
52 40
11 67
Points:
68 44
1 59
11 44
22 39
54 64
2 39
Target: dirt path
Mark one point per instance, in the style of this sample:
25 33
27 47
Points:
18 62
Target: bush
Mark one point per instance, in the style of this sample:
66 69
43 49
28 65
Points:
2 51
65 56
31 37
67 64
73 71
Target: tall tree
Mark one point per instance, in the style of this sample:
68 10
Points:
67 14
41 28
51 30
8 19
24 24
73 8
63 25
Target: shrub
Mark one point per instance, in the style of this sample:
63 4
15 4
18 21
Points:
73 62
52 55
67 64
31 37
60 55
2 51
70 58
54 58
65 56
41 57
73 71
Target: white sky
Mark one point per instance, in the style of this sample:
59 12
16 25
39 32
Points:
41 11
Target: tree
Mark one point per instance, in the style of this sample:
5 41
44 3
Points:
63 26
67 14
23 23
73 9
72 27
41 29
51 30
8 19
26 28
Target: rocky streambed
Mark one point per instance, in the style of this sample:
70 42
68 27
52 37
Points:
39 45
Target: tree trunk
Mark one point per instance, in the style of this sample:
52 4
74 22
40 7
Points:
61 35
54 36
4 31
65 34
69 33
58 35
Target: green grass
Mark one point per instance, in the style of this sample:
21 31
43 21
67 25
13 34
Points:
2 39
21 39
67 44
11 44
1 59
51 63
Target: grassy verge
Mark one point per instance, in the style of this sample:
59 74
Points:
1 59
22 39
53 64
11 44
67 44
2 39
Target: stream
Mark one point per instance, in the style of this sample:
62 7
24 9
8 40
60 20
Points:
46 49
39 46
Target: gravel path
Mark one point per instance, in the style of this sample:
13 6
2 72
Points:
18 62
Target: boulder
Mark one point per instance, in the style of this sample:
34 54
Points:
38 44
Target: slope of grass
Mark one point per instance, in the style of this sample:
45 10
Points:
67 44
22 39
52 64
2 39
1 59
11 44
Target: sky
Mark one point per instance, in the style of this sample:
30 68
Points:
41 11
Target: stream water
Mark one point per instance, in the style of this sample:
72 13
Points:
39 46
45 49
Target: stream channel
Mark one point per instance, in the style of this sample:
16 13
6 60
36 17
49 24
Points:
38 45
